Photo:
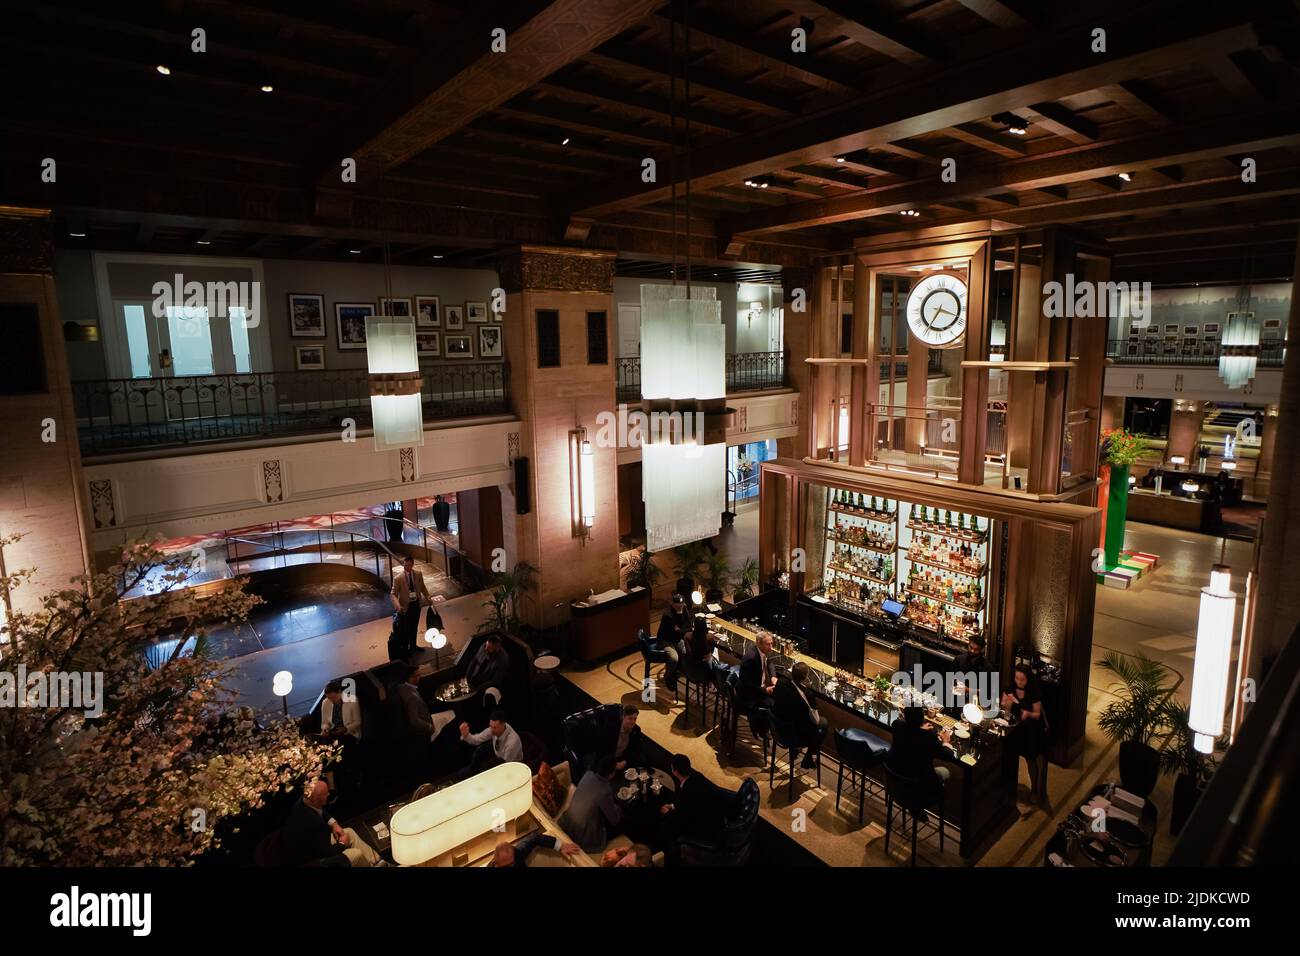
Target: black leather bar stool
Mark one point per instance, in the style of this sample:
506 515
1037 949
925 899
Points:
785 737
914 797
860 753
699 675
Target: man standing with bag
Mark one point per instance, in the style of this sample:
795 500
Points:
409 595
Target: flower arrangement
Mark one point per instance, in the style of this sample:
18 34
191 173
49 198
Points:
1121 447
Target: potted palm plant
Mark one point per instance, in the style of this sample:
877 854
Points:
1193 769
746 581
717 572
508 589
642 572
1139 712
689 558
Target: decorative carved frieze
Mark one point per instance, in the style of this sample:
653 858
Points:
272 481
102 505
406 462
512 446
26 243
557 270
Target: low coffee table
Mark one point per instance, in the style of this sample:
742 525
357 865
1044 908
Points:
641 808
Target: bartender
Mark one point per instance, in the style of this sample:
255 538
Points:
674 628
972 663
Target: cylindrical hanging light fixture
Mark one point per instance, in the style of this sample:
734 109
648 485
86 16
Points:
1213 657
395 381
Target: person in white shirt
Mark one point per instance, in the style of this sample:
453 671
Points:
497 743
340 717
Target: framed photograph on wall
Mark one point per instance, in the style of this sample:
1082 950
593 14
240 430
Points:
306 315
476 311
454 316
394 307
308 358
489 342
499 316
428 344
428 312
1132 348
1209 349
1171 328
459 347
1210 328
1171 348
1191 329
350 322
1272 324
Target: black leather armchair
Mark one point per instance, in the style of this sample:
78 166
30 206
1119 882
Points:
586 732
733 848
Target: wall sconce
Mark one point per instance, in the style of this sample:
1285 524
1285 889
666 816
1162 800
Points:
1213 657
461 823
395 382
755 310
582 482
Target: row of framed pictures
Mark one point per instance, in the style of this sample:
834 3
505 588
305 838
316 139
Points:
427 345
1208 329
307 316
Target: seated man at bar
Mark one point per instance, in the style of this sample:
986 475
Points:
791 706
517 853
421 725
497 743
593 809
696 810
915 748
310 836
972 664
674 627
757 679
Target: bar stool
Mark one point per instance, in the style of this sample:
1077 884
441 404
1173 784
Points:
784 736
914 797
859 753
650 654
699 674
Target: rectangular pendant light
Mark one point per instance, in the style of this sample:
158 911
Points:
395 382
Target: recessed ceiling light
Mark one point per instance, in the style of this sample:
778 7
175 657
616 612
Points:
203 242
268 88
909 212
77 235
839 159
164 70
438 256
355 252
1127 177
565 141
1015 125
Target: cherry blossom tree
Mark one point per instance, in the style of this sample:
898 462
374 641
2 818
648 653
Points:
150 779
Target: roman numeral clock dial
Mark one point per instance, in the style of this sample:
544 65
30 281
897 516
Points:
936 310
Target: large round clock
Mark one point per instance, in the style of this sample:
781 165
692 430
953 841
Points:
936 310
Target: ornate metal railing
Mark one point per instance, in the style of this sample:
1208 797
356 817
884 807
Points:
118 415
1136 352
746 372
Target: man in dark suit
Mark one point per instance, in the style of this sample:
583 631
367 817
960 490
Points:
422 727
697 809
974 675
757 679
792 707
517 853
915 748
309 836
624 743
489 667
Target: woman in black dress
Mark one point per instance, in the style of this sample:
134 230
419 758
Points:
1025 704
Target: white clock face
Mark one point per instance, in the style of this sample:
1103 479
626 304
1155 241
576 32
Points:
936 310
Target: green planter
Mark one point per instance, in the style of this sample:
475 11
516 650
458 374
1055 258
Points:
1116 513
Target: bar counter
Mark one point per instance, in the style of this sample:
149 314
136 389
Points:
980 796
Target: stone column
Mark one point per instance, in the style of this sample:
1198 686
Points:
551 401
1277 610
42 492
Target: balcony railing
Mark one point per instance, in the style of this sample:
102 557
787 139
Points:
119 415
746 372
1121 351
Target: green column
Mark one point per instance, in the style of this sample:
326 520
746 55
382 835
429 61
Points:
1116 513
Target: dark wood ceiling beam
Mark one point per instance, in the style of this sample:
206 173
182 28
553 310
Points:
872 25
723 34
1064 123
1245 75
1238 216
605 94
1000 13
873 164
1189 143
579 121
1225 272
1134 98
454 90
994 142
620 56
553 146
1237 237
1147 39
830 176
